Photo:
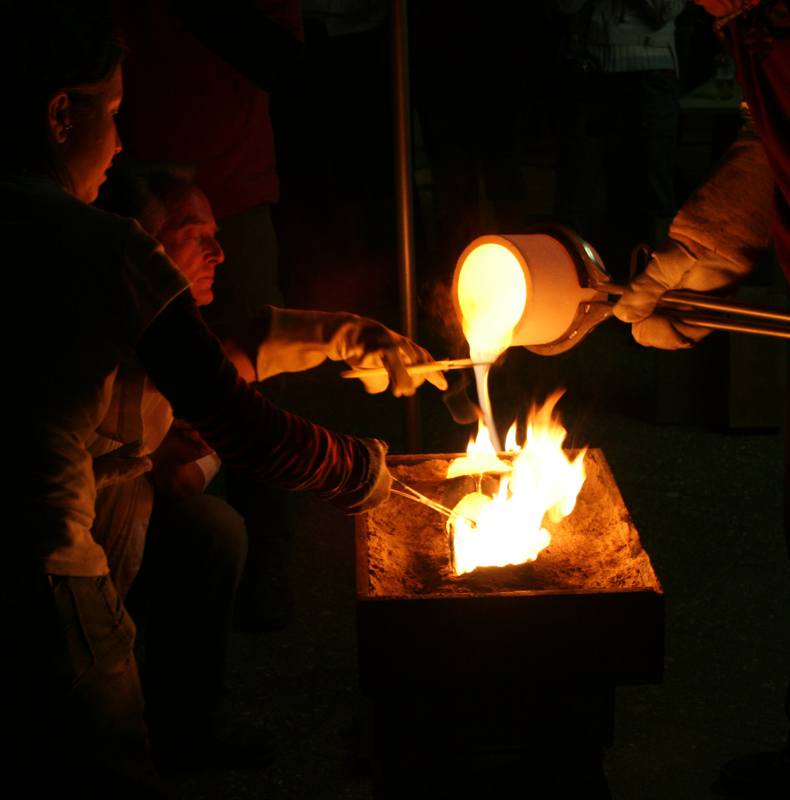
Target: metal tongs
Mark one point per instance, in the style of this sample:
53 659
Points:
418 369
413 494
687 307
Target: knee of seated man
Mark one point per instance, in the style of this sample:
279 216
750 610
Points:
211 528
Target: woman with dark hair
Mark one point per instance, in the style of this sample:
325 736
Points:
52 51
86 292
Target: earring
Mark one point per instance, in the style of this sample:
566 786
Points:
68 127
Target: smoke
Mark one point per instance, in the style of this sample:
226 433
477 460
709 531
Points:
436 302
463 410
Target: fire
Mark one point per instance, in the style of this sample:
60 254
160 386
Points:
481 455
543 482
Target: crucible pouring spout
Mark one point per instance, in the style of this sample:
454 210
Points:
557 290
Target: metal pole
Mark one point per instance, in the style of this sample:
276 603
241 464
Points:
401 117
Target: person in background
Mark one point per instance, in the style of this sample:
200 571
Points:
718 238
192 545
198 87
617 118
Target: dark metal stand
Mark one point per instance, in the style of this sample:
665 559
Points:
403 190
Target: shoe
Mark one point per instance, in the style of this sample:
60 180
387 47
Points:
765 775
244 747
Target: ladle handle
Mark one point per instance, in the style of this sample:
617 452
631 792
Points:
706 303
676 302
726 324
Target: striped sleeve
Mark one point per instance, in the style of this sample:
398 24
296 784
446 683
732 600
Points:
188 366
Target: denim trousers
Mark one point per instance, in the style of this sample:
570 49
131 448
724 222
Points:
622 127
72 704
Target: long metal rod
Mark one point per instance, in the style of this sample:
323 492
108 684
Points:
726 306
726 324
417 369
678 303
401 117
413 494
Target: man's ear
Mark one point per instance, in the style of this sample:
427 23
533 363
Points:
59 116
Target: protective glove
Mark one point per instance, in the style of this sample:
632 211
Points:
286 340
673 267
374 488
716 240
120 465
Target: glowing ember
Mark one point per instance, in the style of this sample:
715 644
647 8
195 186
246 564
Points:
543 482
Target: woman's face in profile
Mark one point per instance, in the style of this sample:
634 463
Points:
92 140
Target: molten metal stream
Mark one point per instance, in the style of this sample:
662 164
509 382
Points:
481 379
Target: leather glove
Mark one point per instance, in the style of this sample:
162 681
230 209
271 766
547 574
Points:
374 489
120 465
287 340
716 240
673 267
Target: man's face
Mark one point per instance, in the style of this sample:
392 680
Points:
188 237
720 8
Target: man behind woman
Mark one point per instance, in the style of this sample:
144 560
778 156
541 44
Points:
194 544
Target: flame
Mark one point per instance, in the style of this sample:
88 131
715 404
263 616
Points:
543 482
510 441
480 455
482 442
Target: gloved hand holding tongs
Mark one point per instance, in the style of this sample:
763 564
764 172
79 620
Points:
287 340
716 240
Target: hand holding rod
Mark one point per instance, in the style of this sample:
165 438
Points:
583 265
675 304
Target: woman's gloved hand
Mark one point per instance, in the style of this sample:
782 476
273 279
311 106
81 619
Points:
120 465
287 340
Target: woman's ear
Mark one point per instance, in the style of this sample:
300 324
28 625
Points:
59 116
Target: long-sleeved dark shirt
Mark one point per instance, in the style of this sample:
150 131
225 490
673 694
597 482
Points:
187 364
84 290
